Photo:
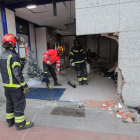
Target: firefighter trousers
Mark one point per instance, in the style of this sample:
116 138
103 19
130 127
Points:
47 69
81 71
15 106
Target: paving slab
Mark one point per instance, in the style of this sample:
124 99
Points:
55 133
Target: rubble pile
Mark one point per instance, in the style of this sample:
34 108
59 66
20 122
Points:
95 68
116 108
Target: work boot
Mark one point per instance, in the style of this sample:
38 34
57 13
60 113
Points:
57 84
26 126
85 82
49 87
10 124
81 83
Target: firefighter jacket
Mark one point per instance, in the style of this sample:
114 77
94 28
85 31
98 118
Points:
77 55
10 68
52 56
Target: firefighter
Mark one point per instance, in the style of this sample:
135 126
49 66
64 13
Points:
51 56
14 84
78 57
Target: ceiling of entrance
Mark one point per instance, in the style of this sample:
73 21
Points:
43 15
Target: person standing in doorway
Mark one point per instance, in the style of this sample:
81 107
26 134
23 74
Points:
78 57
51 56
14 84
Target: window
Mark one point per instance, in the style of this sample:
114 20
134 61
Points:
21 28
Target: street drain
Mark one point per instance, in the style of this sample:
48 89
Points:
67 111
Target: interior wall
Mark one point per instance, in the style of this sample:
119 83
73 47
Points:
41 43
10 18
69 41
92 44
32 39
48 40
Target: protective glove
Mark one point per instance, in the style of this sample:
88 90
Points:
25 90
58 69
73 64
48 62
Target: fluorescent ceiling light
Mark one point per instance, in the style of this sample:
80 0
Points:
31 6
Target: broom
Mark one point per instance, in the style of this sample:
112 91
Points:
69 81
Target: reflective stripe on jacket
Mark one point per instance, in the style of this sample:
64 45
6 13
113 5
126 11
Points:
77 55
10 68
52 56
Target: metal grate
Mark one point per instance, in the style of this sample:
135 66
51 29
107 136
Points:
66 111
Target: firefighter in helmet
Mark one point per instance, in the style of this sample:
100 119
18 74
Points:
14 84
78 57
51 56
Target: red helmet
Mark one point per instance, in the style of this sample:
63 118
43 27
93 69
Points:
61 49
9 39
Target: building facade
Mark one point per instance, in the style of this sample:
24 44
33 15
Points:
109 16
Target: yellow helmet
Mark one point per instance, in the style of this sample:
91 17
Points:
61 49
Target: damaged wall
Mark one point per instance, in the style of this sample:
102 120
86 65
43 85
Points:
99 16
129 51
2 96
129 63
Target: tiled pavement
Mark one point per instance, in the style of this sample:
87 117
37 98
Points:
97 124
53 133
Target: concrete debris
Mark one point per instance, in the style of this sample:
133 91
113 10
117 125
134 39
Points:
118 116
116 108
128 120
112 108
120 106
122 111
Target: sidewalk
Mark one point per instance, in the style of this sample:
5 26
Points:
52 133
97 124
